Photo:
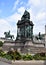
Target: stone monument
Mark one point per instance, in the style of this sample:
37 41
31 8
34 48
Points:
24 31
25 27
25 41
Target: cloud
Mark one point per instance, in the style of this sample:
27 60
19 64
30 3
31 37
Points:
34 2
15 5
40 22
15 17
4 26
41 16
21 10
32 16
21 2
38 14
37 3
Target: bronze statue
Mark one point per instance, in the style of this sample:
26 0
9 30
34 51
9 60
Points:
8 35
39 36
26 16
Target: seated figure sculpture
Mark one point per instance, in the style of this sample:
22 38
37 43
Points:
26 16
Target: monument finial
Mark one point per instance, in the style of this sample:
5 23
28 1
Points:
26 15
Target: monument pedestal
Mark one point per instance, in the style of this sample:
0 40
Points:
23 45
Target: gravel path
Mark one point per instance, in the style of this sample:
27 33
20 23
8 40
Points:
25 63
3 63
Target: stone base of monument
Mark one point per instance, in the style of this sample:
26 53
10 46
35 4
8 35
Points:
25 46
8 45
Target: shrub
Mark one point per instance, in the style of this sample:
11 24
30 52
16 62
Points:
1 43
27 57
9 57
37 57
43 58
1 51
2 54
15 55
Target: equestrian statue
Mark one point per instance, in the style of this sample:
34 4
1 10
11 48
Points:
8 35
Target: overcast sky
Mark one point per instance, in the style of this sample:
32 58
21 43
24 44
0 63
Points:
12 10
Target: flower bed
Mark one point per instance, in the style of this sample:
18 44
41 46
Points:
14 55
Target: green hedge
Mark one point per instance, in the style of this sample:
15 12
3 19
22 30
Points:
39 57
27 57
14 55
1 43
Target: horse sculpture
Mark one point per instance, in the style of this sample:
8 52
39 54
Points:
39 36
8 35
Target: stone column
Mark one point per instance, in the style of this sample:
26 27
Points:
45 36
